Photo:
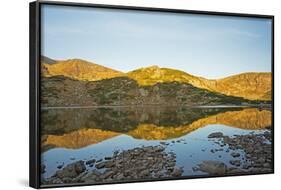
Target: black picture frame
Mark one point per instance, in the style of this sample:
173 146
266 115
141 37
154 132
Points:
34 81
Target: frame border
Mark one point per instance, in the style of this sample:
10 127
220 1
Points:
35 84
34 102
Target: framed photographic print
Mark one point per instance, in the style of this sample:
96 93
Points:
131 94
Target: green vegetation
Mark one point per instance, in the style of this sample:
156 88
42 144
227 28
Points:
62 91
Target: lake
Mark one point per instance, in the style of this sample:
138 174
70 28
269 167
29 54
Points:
73 134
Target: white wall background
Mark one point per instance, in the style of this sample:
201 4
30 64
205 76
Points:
14 40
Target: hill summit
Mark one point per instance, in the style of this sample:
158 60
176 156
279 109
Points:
80 70
251 86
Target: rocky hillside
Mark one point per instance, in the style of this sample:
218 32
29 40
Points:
154 74
62 91
251 86
79 69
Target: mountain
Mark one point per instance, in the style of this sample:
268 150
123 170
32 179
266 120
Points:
154 74
47 60
63 91
251 86
79 69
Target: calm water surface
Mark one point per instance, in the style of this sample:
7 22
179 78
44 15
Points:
83 134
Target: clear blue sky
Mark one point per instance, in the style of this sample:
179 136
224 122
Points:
207 46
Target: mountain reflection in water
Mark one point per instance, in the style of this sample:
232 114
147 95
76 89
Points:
77 128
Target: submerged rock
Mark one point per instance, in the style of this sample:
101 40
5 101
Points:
91 162
216 135
71 170
235 154
213 167
235 162
60 166
100 165
257 151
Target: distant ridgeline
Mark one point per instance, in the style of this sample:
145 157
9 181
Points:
77 82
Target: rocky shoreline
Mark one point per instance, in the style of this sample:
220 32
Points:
138 163
256 158
250 153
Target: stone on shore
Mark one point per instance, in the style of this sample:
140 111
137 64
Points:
138 163
215 135
235 154
71 170
213 167
91 162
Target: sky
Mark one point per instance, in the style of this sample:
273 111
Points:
203 45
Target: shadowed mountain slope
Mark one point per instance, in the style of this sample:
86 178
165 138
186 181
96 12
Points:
62 91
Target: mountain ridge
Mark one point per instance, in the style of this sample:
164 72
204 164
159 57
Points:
47 60
80 70
248 85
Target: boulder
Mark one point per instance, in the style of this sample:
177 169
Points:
72 170
91 162
213 167
235 154
100 165
235 162
215 135
177 172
